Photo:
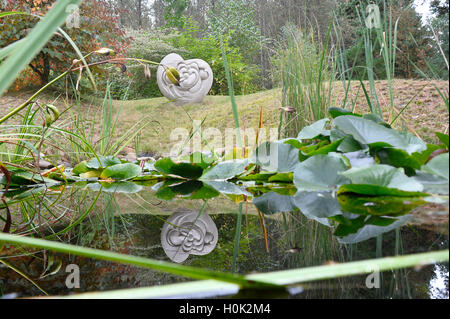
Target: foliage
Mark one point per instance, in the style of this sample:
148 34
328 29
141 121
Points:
151 45
98 28
173 13
208 48
237 18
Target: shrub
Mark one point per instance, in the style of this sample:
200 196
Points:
208 48
151 45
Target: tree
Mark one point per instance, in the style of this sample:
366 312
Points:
98 28
440 29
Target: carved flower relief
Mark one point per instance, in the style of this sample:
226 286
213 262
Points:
196 79
185 234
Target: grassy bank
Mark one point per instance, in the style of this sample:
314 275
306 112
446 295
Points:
425 114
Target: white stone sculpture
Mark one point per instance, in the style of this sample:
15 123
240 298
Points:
196 78
196 235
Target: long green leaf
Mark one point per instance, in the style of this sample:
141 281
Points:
210 288
186 271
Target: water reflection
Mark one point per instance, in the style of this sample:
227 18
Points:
188 233
301 232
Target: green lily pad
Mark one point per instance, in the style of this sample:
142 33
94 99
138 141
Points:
364 230
225 170
259 177
185 170
121 171
282 178
443 138
116 187
276 157
272 203
383 175
367 132
378 205
227 188
317 205
105 161
337 111
314 130
80 168
439 166
319 173
359 159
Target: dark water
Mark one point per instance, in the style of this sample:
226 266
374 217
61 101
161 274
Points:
135 224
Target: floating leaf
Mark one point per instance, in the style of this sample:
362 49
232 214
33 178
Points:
116 187
121 171
282 177
367 132
91 174
276 157
337 111
378 205
80 168
225 170
359 159
319 173
185 170
227 188
443 138
271 203
317 205
105 161
260 177
314 130
383 175
366 231
439 166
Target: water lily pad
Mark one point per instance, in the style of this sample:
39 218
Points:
105 161
433 183
317 205
282 178
121 171
116 187
260 177
366 131
272 203
225 170
276 157
337 111
366 231
443 138
378 205
439 166
319 173
81 168
185 170
314 130
227 188
383 175
359 159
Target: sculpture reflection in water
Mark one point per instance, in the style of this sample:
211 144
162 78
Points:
187 233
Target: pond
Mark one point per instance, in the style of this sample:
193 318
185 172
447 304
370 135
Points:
353 189
273 235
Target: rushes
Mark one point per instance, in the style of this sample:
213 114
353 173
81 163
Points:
305 71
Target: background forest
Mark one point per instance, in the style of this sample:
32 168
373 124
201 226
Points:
255 33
